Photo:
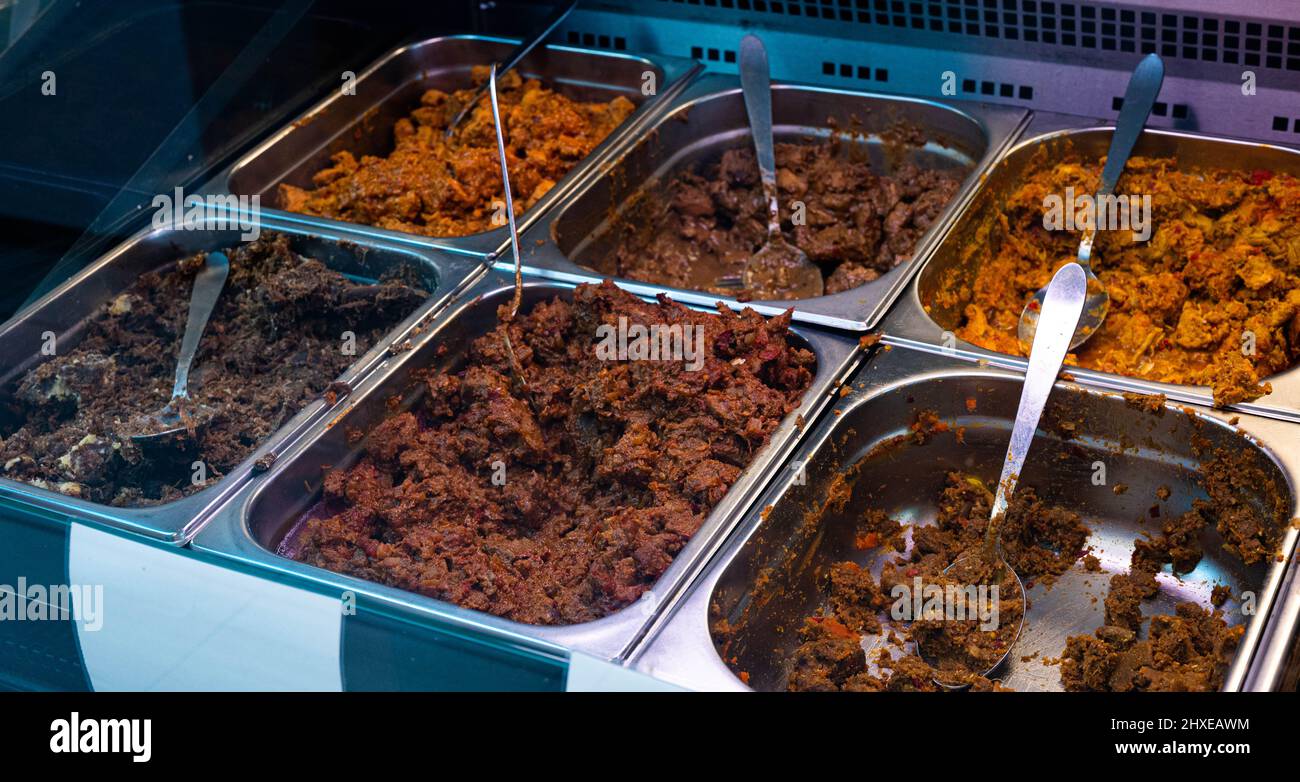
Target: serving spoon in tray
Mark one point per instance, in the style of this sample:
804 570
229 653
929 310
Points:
521 51
779 267
1143 87
1063 303
171 426
520 382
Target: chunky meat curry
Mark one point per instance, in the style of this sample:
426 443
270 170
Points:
1212 298
436 186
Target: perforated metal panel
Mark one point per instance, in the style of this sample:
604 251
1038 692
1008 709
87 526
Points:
1065 57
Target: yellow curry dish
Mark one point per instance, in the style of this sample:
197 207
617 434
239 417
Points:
1211 298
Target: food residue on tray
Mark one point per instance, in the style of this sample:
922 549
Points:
1039 541
854 223
854 642
1212 298
1192 648
961 649
436 186
569 508
272 345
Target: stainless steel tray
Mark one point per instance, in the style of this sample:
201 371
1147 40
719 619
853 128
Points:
249 528
387 90
910 324
64 310
1140 449
709 117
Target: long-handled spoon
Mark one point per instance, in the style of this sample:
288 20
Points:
515 367
521 51
1143 87
1063 304
180 415
778 269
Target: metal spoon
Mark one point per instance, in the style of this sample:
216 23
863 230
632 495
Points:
181 415
1143 87
521 51
1062 306
515 367
778 268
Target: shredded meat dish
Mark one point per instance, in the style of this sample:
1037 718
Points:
609 466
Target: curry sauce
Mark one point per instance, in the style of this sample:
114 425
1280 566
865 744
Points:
438 186
1211 298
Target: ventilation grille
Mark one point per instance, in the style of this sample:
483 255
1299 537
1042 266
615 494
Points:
596 40
832 42
858 72
1159 108
711 54
1094 26
995 88
1280 124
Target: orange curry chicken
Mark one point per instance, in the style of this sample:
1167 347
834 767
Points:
432 185
1211 298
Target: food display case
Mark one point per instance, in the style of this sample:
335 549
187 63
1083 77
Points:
421 452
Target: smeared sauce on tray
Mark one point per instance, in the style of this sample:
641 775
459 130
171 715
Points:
851 643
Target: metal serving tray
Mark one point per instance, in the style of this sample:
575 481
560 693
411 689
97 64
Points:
387 90
709 118
912 324
65 309
249 528
1140 449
